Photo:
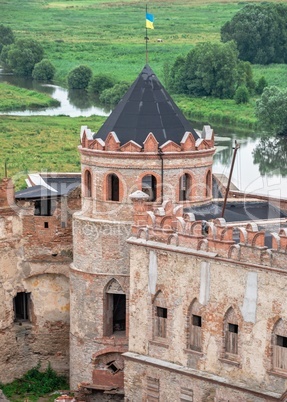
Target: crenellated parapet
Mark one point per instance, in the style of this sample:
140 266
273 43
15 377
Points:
170 225
150 145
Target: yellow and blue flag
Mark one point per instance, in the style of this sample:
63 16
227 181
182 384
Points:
149 21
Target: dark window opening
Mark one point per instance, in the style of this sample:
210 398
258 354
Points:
46 225
88 183
112 367
196 320
119 312
208 184
161 312
63 224
184 187
149 186
43 207
233 328
281 341
160 322
21 304
113 188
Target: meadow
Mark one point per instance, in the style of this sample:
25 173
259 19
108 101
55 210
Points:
18 98
108 36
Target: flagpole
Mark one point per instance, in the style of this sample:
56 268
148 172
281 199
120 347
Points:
146 38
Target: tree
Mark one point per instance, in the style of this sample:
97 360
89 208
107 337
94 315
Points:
176 81
260 32
100 82
241 94
22 56
79 77
6 36
261 84
245 75
113 95
43 71
211 70
271 110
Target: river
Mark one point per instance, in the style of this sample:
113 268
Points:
260 166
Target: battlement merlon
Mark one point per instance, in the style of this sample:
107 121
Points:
170 226
112 144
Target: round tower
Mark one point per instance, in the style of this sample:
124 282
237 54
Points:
145 144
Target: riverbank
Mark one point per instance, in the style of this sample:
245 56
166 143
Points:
15 98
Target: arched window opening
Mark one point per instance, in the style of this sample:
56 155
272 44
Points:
194 340
231 333
160 317
185 187
115 310
208 184
279 337
113 187
149 186
88 183
22 307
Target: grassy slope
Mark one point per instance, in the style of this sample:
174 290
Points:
18 98
41 143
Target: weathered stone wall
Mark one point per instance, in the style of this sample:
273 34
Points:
174 384
34 260
101 254
257 295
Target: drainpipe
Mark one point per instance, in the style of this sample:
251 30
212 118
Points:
160 153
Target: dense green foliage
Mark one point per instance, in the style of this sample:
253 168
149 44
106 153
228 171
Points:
22 56
79 77
43 71
99 83
112 96
271 110
260 32
261 84
35 382
6 36
210 69
241 94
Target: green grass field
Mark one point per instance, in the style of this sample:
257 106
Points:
41 143
108 36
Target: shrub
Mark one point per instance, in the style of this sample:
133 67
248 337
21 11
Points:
43 71
113 95
35 382
6 36
241 95
262 83
79 77
99 83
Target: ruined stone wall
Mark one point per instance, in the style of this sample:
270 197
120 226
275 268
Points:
182 275
34 261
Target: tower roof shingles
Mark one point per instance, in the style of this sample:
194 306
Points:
145 108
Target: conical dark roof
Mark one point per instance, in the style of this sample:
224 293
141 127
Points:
145 108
